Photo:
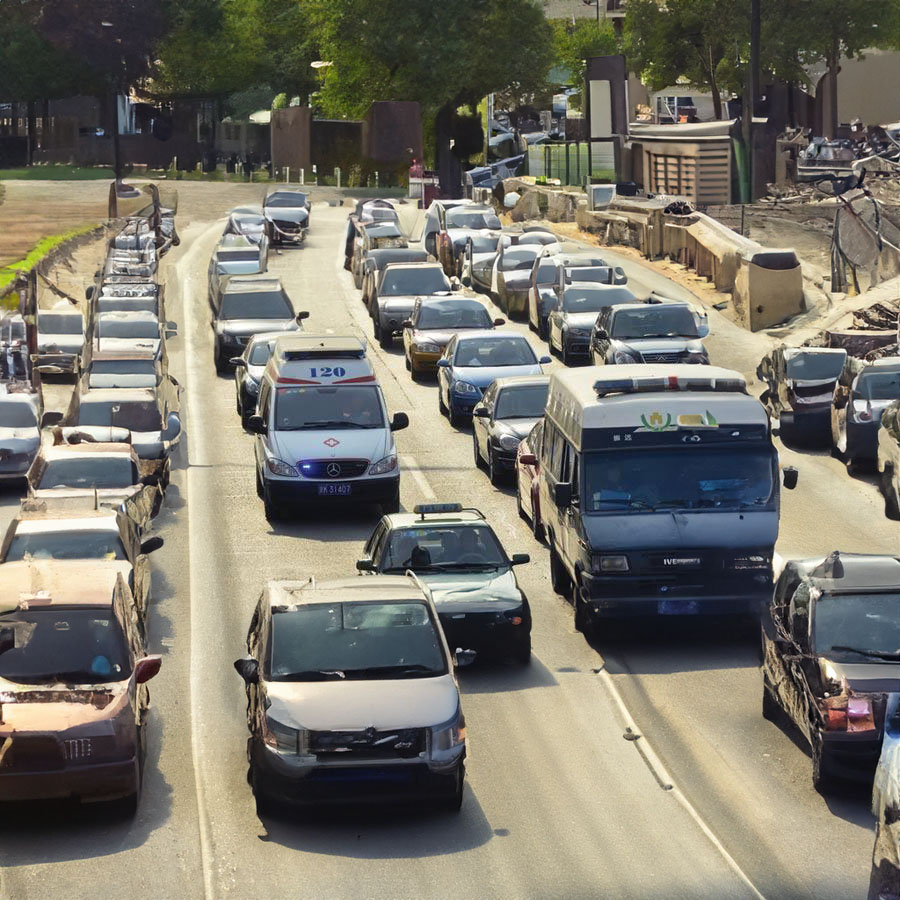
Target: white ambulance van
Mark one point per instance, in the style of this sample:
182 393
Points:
322 429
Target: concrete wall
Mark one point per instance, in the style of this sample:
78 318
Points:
291 131
869 88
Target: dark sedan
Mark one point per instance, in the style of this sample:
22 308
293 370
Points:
856 409
572 318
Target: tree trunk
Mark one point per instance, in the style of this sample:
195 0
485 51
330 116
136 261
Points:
716 97
447 164
830 113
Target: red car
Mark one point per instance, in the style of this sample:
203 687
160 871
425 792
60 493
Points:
527 479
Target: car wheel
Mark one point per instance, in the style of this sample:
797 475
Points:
771 711
454 416
476 452
272 510
822 778
385 339
408 364
127 807
564 354
389 507
522 653
218 359
536 527
376 329
584 621
442 409
495 473
266 805
453 801
890 487
559 577
519 508
237 403
542 330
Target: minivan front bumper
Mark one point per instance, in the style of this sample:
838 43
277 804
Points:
296 491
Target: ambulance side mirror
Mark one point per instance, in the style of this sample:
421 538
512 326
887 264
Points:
399 422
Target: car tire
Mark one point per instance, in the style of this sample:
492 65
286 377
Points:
822 779
519 508
455 418
220 363
522 653
389 507
584 621
771 711
408 365
537 528
542 330
266 805
476 452
495 473
260 490
385 340
271 507
891 491
559 577
564 354
453 801
127 807
442 409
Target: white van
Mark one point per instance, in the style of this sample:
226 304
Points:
323 432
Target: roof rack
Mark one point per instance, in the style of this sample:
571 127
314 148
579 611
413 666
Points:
424 509
299 347
656 383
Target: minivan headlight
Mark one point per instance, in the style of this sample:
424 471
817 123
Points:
285 738
388 464
609 564
280 467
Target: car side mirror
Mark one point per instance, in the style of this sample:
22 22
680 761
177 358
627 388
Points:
463 658
365 565
528 459
520 559
789 477
601 334
50 419
146 668
256 425
443 363
399 421
545 360
840 399
301 316
89 293
407 323
238 362
151 480
151 544
562 494
173 427
499 322
466 281
248 669
481 412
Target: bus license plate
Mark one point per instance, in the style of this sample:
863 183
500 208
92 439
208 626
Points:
332 490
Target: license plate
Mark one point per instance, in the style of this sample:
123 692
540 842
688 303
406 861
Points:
678 607
332 490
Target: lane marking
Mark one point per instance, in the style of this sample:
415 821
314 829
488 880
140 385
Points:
410 465
667 783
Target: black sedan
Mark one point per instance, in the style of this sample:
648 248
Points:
572 318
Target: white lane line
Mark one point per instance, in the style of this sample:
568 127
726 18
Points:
665 780
410 465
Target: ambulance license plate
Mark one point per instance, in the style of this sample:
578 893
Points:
332 490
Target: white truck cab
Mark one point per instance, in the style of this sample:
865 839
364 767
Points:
322 428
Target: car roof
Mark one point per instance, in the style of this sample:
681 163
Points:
791 352
128 315
415 520
644 307
89 448
249 284
521 381
42 583
848 572
235 242
61 307
56 519
320 344
29 396
373 589
482 333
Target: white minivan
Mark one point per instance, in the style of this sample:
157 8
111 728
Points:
322 427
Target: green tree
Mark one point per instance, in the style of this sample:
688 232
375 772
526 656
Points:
574 42
701 41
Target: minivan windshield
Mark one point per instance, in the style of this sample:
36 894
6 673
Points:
875 385
867 623
309 408
256 305
425 280
58 323
669 478
814 366
364 641
657 320
71 646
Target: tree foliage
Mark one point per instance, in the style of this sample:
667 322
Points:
574 42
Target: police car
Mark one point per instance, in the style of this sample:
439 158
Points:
322 428
455 552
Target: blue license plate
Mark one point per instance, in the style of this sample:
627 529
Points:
678 607
332 490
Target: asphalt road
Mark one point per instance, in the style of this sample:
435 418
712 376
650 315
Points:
712 801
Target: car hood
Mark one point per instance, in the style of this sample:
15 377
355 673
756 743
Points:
15 440
127 345
876 677
660 345
519 427
246 327
467 591
482 376
357 705
58 708
518 280
68 343
372 444
405 301
297 214
106 496
680 532
441 337
147 444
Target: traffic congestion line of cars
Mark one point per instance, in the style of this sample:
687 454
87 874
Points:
74 564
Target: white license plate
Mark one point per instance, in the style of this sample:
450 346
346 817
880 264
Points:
332 490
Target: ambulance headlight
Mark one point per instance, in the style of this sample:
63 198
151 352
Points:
280 467
383 466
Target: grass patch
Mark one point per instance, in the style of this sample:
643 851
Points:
56 173
38 252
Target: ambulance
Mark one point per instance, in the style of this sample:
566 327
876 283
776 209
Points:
323 434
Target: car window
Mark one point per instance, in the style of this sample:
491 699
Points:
874 385
522 402
520 258
256 305
489 352
94 544
581 300
261 353
462 217
463 315
136 415
17 415
88 472
414 281
76 646
128 328
866 622
439 547
350 406
657 320
56 323
347 640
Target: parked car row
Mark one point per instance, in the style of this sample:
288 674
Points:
74 567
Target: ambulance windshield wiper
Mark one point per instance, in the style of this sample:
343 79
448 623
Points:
331 423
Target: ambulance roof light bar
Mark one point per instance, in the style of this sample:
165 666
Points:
655 384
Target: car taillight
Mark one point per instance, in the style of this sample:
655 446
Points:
848 713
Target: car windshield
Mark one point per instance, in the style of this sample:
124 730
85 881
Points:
547 273
460 315
864 622
82 471
470 218
136 415
286 201
500 351
526 401
521 258
484 243
814 366
128 327
72 646
57 323
230 256
695 478
70 544
654 321
128 304
429 280
348 406
583 262
17 415
256 305
355 641
261 353
588 300
123 367
879 385
443 547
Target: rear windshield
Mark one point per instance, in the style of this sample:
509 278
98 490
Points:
879 385
655 321
96 544
465 218
261 353
464 315
526 401
256 305
55 323
17 415
815 366
582 300
414 281
502 351
286 201
520 258
128 328
88 472
310 408
123 367
136 415
364 641
73 646
484 243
